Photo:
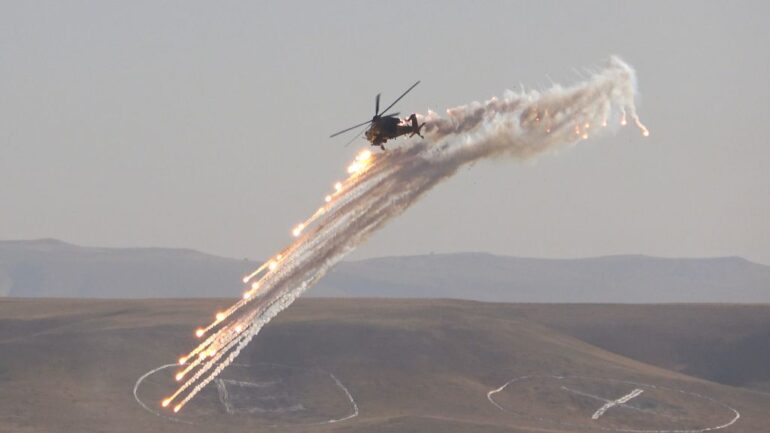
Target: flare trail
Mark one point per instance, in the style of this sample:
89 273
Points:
382 186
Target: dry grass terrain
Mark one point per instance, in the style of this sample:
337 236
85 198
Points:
410 366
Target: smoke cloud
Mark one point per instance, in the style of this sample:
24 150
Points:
381 187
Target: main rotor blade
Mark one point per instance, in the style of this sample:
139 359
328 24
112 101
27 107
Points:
402 95
355 137
377 105
350 129
391 114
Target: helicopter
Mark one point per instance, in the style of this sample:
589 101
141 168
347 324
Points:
383 127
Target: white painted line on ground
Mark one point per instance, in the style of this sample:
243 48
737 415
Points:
337 382
350 397
610 404
147 408
733 420
623 405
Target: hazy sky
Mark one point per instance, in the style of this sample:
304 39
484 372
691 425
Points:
205 125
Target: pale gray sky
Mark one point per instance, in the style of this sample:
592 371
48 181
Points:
205 125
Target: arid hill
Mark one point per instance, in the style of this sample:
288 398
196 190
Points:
356 365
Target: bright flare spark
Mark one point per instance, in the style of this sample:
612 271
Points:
365 155
220 316
199 332
361 163
645 131
247 278
355 167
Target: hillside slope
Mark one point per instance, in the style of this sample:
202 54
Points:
422 366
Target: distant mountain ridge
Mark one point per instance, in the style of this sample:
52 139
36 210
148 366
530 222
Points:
52 268
609 279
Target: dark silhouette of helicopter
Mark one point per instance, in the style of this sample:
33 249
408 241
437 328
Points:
383 127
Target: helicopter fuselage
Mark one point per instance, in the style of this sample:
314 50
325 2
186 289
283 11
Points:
383 129
388 127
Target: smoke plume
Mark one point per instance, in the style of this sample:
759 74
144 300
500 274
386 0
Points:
381 187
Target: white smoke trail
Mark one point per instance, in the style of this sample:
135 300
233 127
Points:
518 125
